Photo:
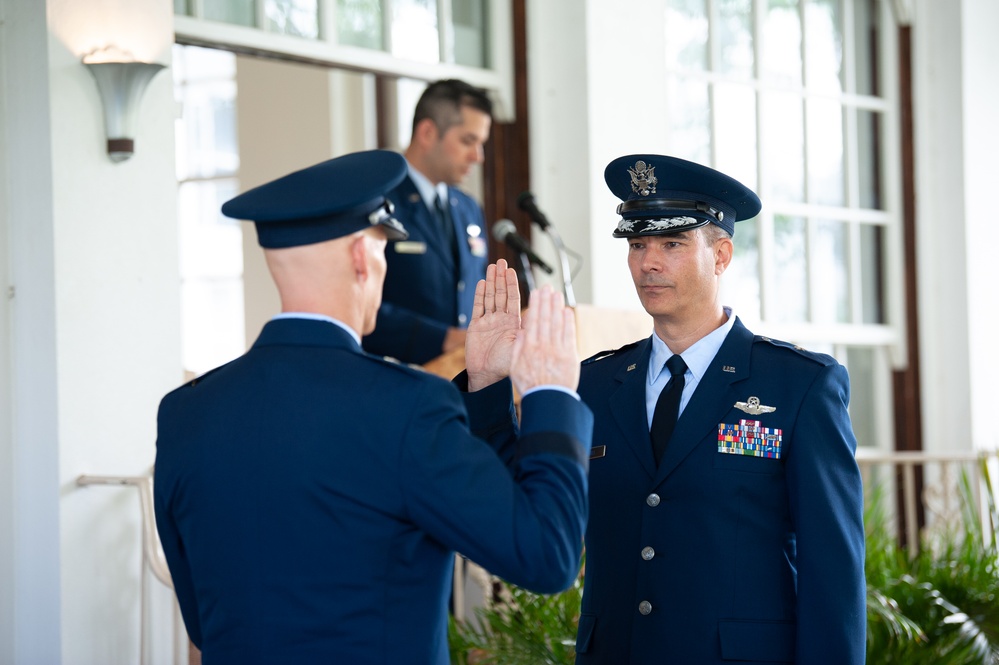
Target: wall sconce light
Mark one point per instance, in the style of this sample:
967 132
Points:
121 82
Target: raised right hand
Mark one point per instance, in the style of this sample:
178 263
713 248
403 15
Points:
545 350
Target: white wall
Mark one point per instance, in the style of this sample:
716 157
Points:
980 51
956 144
94 333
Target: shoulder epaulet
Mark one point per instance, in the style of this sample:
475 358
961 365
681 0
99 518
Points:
395 362
821 358
607 354
190 383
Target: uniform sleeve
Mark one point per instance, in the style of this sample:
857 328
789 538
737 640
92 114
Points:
524 523
826 500
173 550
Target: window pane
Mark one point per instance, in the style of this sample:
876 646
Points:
781 43
470 31
825 153
741 283
791 298
414 30
687 34
211 270
830 272
823 45
180 7
237 12
865 16
359 23
735 36
206 140
871 284
293 17
689 118
784 150
735 132
869 162
862 363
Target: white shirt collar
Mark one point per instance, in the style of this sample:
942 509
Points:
697 357
428 190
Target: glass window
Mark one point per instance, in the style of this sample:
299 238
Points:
689 112
237 12
293 17
415 34
871 280
211 245
790 302
180 7
783 145
736 37
359 23
824 40
830 262
687 39
780 94
741 285
781 43
471 29
826 174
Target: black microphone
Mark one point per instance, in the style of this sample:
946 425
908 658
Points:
505 231
526 203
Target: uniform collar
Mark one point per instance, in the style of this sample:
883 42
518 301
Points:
311 316
697 357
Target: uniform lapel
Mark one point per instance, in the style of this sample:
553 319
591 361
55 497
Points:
413 212
712 399
627 403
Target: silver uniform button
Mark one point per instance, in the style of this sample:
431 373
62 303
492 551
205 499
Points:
462 318
652 500
648 553
645 607
461 285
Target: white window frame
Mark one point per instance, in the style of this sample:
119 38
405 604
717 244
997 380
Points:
325 50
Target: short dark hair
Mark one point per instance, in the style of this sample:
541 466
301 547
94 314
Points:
442 102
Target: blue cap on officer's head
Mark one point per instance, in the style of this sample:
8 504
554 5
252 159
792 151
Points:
327 200
661 195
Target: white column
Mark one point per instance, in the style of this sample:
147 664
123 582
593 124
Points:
93 331
955 180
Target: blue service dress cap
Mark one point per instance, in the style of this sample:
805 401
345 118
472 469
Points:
325 201
661 195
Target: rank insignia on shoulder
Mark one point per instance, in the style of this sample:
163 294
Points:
753 407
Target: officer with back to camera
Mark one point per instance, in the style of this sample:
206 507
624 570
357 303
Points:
310 496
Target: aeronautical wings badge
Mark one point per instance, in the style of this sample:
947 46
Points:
753 407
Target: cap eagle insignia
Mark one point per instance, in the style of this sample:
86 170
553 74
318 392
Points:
643 178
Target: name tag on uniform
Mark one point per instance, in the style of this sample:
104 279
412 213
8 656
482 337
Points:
410 247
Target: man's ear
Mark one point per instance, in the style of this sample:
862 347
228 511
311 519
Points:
426 132
359 257
723 254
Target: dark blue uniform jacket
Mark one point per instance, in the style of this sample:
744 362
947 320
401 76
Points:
310 498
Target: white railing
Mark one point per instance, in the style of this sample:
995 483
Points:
931 484
152 558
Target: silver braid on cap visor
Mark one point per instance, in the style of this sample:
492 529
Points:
643 205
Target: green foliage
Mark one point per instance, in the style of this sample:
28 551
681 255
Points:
937 607
520 628
941 605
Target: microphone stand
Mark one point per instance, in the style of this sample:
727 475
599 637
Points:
570 298
526 271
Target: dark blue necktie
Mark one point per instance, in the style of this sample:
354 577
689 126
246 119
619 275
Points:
667 407
446 227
